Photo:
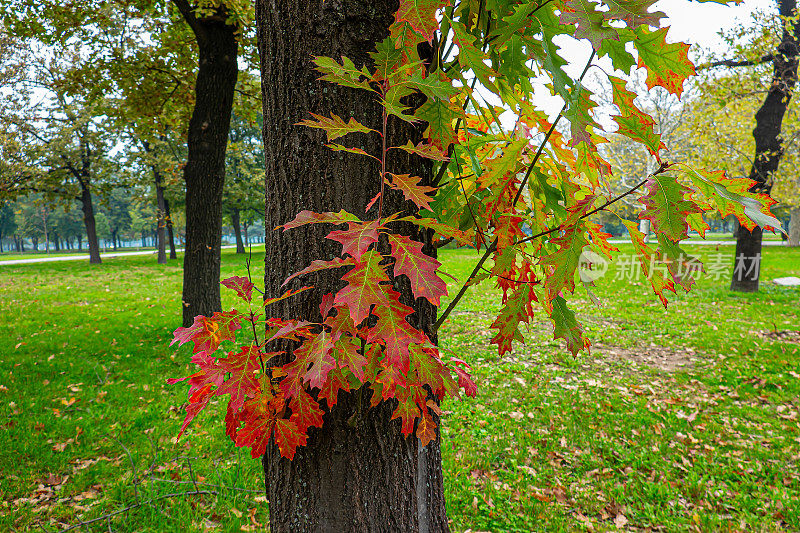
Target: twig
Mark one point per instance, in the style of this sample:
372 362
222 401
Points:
139 504
737 63
443 242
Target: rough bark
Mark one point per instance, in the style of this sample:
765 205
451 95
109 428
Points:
766 134
794 226
365 476
204 172
237 230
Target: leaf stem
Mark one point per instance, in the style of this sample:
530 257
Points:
384 150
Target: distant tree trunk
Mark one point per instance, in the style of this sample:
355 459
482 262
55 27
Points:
21 244
237 230
161 220
170 231
246 238
35 243
362 477
90 225
204 172
769 118
794 226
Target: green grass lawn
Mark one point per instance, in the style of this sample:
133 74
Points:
678 420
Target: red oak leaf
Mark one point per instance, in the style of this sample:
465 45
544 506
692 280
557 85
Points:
667 64
309 217
242 286
420 269
291 292
348 355
394 332
356 239
336 381
364 287
421 15
313 359
464 378
320 264
600 239
407 411
259 418
288 437
646 259
425 150
207 333
243 380
293 330
305 411
335 126
667 206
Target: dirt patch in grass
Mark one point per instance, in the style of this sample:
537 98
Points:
782 336
654 356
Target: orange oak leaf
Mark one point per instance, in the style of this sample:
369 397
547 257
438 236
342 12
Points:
288 437
207 333
412 190
335 126
421 15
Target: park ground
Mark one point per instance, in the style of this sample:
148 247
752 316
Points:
683 419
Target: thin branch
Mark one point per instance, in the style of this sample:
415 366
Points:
443 242
191 19
737 62
139 504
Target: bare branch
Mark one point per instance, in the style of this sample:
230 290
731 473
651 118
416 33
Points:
737 63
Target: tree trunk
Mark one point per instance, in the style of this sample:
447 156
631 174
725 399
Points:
246 238
170 231
90 225
366 477
114 240
237 230
766 134
794 226
204 172
161 220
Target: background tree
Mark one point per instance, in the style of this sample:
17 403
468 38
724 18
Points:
767 132
243 198
8 225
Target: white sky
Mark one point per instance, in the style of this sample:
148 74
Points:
698 23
